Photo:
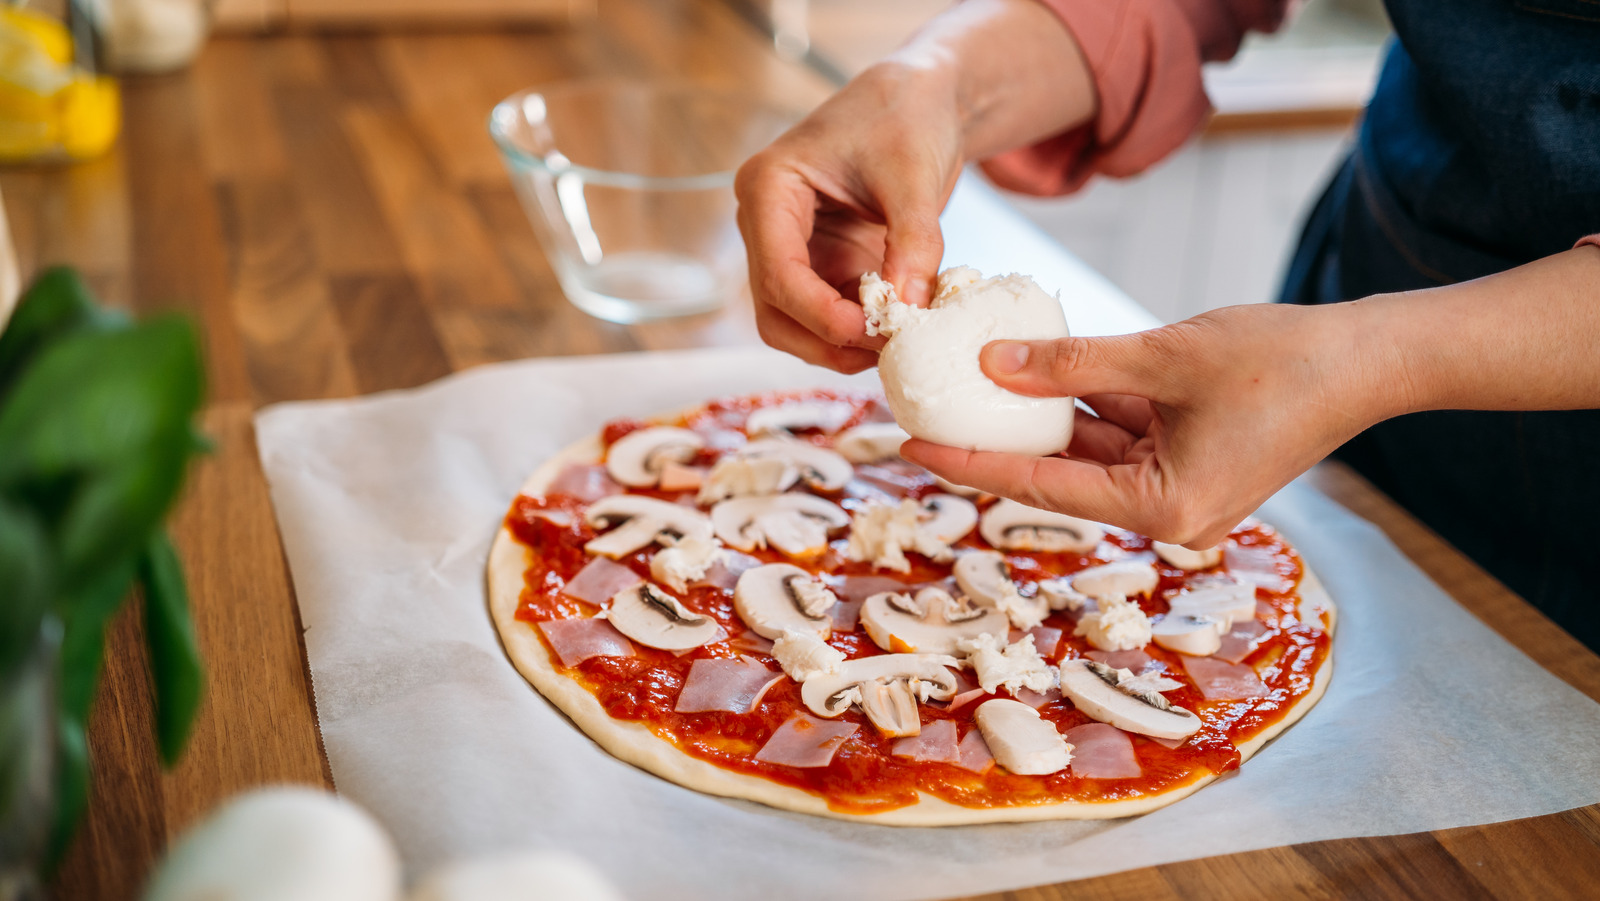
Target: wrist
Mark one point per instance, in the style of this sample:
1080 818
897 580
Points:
1384 379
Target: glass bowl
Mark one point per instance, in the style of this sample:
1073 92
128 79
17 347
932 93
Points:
629 186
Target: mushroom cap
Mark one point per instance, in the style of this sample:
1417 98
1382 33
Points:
931 623
1091 688
985 577
950 518
777 598
1186 559
1123 579
1197 636
635 521
1020 739
796 524
636 458
856 682
818 466
1018 527
650 616
824 415
871 442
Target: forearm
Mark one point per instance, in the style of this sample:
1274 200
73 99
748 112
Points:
1524 339
1015 71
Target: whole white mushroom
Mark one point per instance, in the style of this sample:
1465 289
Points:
930 371
281 843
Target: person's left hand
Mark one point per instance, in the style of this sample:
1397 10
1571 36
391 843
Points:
1195 424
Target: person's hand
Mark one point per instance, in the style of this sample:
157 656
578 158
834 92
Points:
1197 423
856 186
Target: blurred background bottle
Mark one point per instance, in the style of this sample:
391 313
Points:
56 102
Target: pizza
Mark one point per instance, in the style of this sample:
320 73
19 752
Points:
757 598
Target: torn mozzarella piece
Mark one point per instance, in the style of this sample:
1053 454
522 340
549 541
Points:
931 376
736 476
803 654
882 533
685 560
1020 740
1060 595
1227 602
1123 579
1017 667
1116 624
985 577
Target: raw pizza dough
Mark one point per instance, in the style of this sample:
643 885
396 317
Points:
636 744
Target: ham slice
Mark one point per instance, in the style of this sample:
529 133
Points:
1037 699
859 588
1046 640
936 743
576 640
966 697
1221 680
1134 661
1257 566
725 573
587 482
600 580
735 686
845 614
973 753
1173 743
1100 751
805 741
752 643
1238 644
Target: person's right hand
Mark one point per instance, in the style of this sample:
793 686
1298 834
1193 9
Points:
855 187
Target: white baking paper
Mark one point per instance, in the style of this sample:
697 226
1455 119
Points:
387 506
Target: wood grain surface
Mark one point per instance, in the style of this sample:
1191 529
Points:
330 209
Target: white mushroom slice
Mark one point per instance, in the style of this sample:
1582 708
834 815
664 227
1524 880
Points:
656 619
802 655
1016 527
1197 636
826 415
1123 579
1016 667
683 561
1230 602
871 442
796 524
1020 740
1116 624
637 458
819 467
1183 558
634 522
779 597
887 688
948 518
1110 696
985 577
1060 595
931 623
740 476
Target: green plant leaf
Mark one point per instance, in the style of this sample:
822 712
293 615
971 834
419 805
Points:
56 304
25 571
72 785
175 667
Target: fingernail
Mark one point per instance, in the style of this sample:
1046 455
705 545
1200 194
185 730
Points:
1006 357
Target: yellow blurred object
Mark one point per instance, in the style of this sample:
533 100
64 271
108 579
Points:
50 108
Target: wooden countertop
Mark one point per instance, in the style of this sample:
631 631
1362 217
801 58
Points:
331 211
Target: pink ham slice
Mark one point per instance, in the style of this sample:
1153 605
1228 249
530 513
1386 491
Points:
576 640
1238 644
1173 743
588 482
735 686
1255 565
1134 661
964 698
751 643
1220 680
973 753
859 588
1046 640
1037 699
805 741
725 573
937 743
1100 751
600 580
845 614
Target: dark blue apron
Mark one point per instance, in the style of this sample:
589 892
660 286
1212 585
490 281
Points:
1480 151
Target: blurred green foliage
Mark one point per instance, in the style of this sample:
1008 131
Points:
96 434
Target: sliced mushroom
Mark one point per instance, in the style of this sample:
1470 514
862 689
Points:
637 458
656 619
824 415
780 597
1098 690
931 623
739 476
985 577
1197 636
634 522
947 518
1123 579
887 688
1183 558
1230 602
1021 740
819 467
1016 527
795 524
871 442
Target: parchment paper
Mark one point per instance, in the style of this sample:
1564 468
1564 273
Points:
387 506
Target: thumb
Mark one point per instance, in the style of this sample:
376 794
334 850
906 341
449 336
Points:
1075 367
913 248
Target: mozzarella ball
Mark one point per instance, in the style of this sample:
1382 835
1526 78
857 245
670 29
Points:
931 377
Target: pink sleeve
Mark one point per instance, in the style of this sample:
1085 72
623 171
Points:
1144 56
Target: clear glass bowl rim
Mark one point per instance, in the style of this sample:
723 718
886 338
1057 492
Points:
612 178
